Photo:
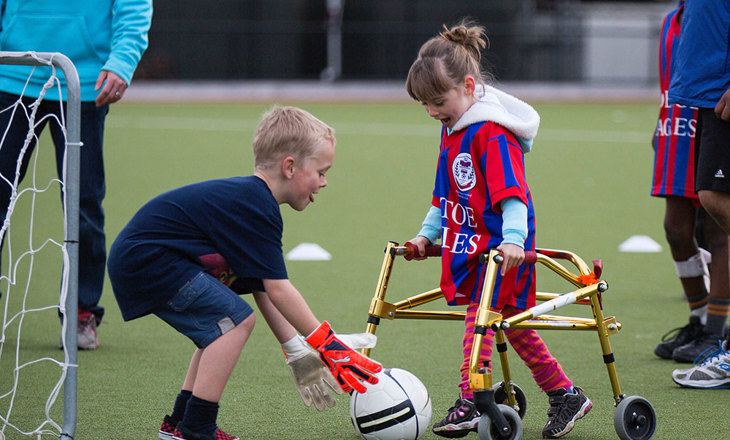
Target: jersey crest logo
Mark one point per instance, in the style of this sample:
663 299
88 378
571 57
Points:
463 170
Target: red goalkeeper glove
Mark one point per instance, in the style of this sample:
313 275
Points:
347 366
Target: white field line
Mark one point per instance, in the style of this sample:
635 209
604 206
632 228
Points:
365 129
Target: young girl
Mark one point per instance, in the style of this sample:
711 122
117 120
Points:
481 201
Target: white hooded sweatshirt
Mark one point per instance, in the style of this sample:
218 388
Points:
504 109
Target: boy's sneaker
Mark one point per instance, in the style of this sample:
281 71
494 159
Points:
462 419
184 433
86 333
168 430
565 409
691 351
713 371
678 337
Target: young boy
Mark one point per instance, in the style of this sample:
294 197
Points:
188 253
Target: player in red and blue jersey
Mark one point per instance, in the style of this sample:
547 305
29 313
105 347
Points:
481 201
466 189
674 180
674 139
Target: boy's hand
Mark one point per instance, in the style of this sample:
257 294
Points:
311 377
513 256
348 366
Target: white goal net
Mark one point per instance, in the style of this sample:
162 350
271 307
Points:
39 258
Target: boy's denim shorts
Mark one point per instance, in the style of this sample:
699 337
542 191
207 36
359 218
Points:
204 309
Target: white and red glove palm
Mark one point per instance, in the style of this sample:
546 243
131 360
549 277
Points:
347 366
311 377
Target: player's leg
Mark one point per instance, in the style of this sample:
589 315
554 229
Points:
713 162
713 187
218 360
718 304
92 242
170 422
463 417
14 128
567 402
717 204
219 322
679 227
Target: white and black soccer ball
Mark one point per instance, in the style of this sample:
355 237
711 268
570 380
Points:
398 407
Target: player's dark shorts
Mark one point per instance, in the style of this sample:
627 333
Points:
204 309
712 148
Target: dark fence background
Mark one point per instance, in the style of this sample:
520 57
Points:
287 39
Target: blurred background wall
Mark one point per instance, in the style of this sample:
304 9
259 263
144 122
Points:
530 40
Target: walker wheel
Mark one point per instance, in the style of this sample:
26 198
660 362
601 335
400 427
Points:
500 396
488 431
635 419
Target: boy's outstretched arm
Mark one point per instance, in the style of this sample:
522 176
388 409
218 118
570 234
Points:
312 378
348 366
291 305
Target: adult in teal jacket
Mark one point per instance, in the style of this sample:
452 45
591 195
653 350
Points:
105 40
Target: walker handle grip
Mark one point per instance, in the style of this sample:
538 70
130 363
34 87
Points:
530 258
409 251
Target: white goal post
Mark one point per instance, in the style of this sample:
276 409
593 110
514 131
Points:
70 194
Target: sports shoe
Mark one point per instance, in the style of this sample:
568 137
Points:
690 351
184 433
565 409
168 431
712 371
86 337
677 337
462 419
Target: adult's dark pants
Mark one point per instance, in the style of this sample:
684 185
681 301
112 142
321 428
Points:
92 245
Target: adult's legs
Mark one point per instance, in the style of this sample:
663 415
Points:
679 222
92 242
13 133
719 301
679 226
717 204
713 189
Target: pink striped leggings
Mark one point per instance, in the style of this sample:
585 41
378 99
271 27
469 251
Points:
529 346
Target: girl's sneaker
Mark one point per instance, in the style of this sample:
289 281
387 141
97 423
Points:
184 433
565 409
462 419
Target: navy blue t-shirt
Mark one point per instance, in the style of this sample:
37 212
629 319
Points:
230 228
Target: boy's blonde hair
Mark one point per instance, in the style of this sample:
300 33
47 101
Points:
445 60
288 131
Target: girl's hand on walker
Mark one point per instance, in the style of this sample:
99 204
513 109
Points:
420 243
513 256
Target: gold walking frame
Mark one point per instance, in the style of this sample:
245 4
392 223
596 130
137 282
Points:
503 405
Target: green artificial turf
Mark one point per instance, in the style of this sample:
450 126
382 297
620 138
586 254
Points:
589 173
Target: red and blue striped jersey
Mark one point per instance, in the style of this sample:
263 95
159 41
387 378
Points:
674 140
477 168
